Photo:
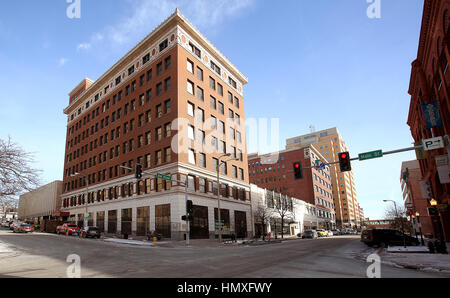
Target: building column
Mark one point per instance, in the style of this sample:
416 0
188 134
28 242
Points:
105 225
133 221
119 221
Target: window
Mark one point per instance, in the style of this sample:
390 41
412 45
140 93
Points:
146 58
190 87
230 97
230 114
167 106
158 134
148 138
221 108
235 175
202 160
199 73
167 130
191 133
148 95
149 75
220 89
159 68
191 154
212 83
191 108
212 102
163 45
215 68
200 94
158 89
167 154
221 127
167 84
213 122
232 82
200 115
195 50
158 159
190 66
130 70
167 62
236 102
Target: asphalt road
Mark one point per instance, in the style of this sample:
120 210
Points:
44 255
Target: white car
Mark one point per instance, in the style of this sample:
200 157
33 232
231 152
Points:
330 233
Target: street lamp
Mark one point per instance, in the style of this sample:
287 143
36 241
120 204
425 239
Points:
401 219
434 203
420 227
86 199
219 164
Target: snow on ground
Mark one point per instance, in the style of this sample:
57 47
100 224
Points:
4 248
411 249
133 242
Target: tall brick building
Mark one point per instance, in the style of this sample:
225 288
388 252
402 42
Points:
173 104
275 172
329 143
430 82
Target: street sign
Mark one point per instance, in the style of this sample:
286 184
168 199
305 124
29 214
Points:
164 177
432 115
433 143
371 155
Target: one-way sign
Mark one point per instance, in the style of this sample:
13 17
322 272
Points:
432 144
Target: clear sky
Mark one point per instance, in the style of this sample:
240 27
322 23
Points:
320 62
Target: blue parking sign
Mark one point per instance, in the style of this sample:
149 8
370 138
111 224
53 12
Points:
432 115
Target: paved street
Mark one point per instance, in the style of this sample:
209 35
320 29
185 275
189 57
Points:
44 255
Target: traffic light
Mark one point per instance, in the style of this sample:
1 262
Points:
298 170
138 172
189 207
344 162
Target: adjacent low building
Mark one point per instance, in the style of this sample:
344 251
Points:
275 212
41 203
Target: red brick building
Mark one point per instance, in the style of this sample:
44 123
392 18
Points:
173 104
410 182
430 81
275 171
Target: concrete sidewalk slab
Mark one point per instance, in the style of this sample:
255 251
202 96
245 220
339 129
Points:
408 249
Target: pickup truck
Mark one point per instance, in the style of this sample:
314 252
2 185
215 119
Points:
68 229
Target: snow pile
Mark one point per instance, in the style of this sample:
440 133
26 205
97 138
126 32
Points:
411 249
133 242
419 261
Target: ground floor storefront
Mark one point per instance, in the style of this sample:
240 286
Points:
162 214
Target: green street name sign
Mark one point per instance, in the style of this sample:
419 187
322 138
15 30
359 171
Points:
164 177
370 155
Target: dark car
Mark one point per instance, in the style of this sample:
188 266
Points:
312 234
386 237
91 232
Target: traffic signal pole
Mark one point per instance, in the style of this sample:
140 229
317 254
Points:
384 153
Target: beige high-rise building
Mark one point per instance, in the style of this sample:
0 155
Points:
329 142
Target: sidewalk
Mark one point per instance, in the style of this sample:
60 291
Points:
418 261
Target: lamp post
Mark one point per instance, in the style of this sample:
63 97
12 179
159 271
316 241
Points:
87 190
219 164
433 203
420 228
401 219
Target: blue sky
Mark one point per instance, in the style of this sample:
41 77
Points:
321 62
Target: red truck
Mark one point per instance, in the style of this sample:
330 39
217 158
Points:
68 229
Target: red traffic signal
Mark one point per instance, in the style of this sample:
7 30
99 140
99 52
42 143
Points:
344 162
298 170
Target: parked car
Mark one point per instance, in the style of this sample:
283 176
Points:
330 233
13 224
336 232
310 234
90 232
23 228
68 229
322 233
386 237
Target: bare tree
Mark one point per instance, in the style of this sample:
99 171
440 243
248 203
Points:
264 215
16 173
283 209
399 220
